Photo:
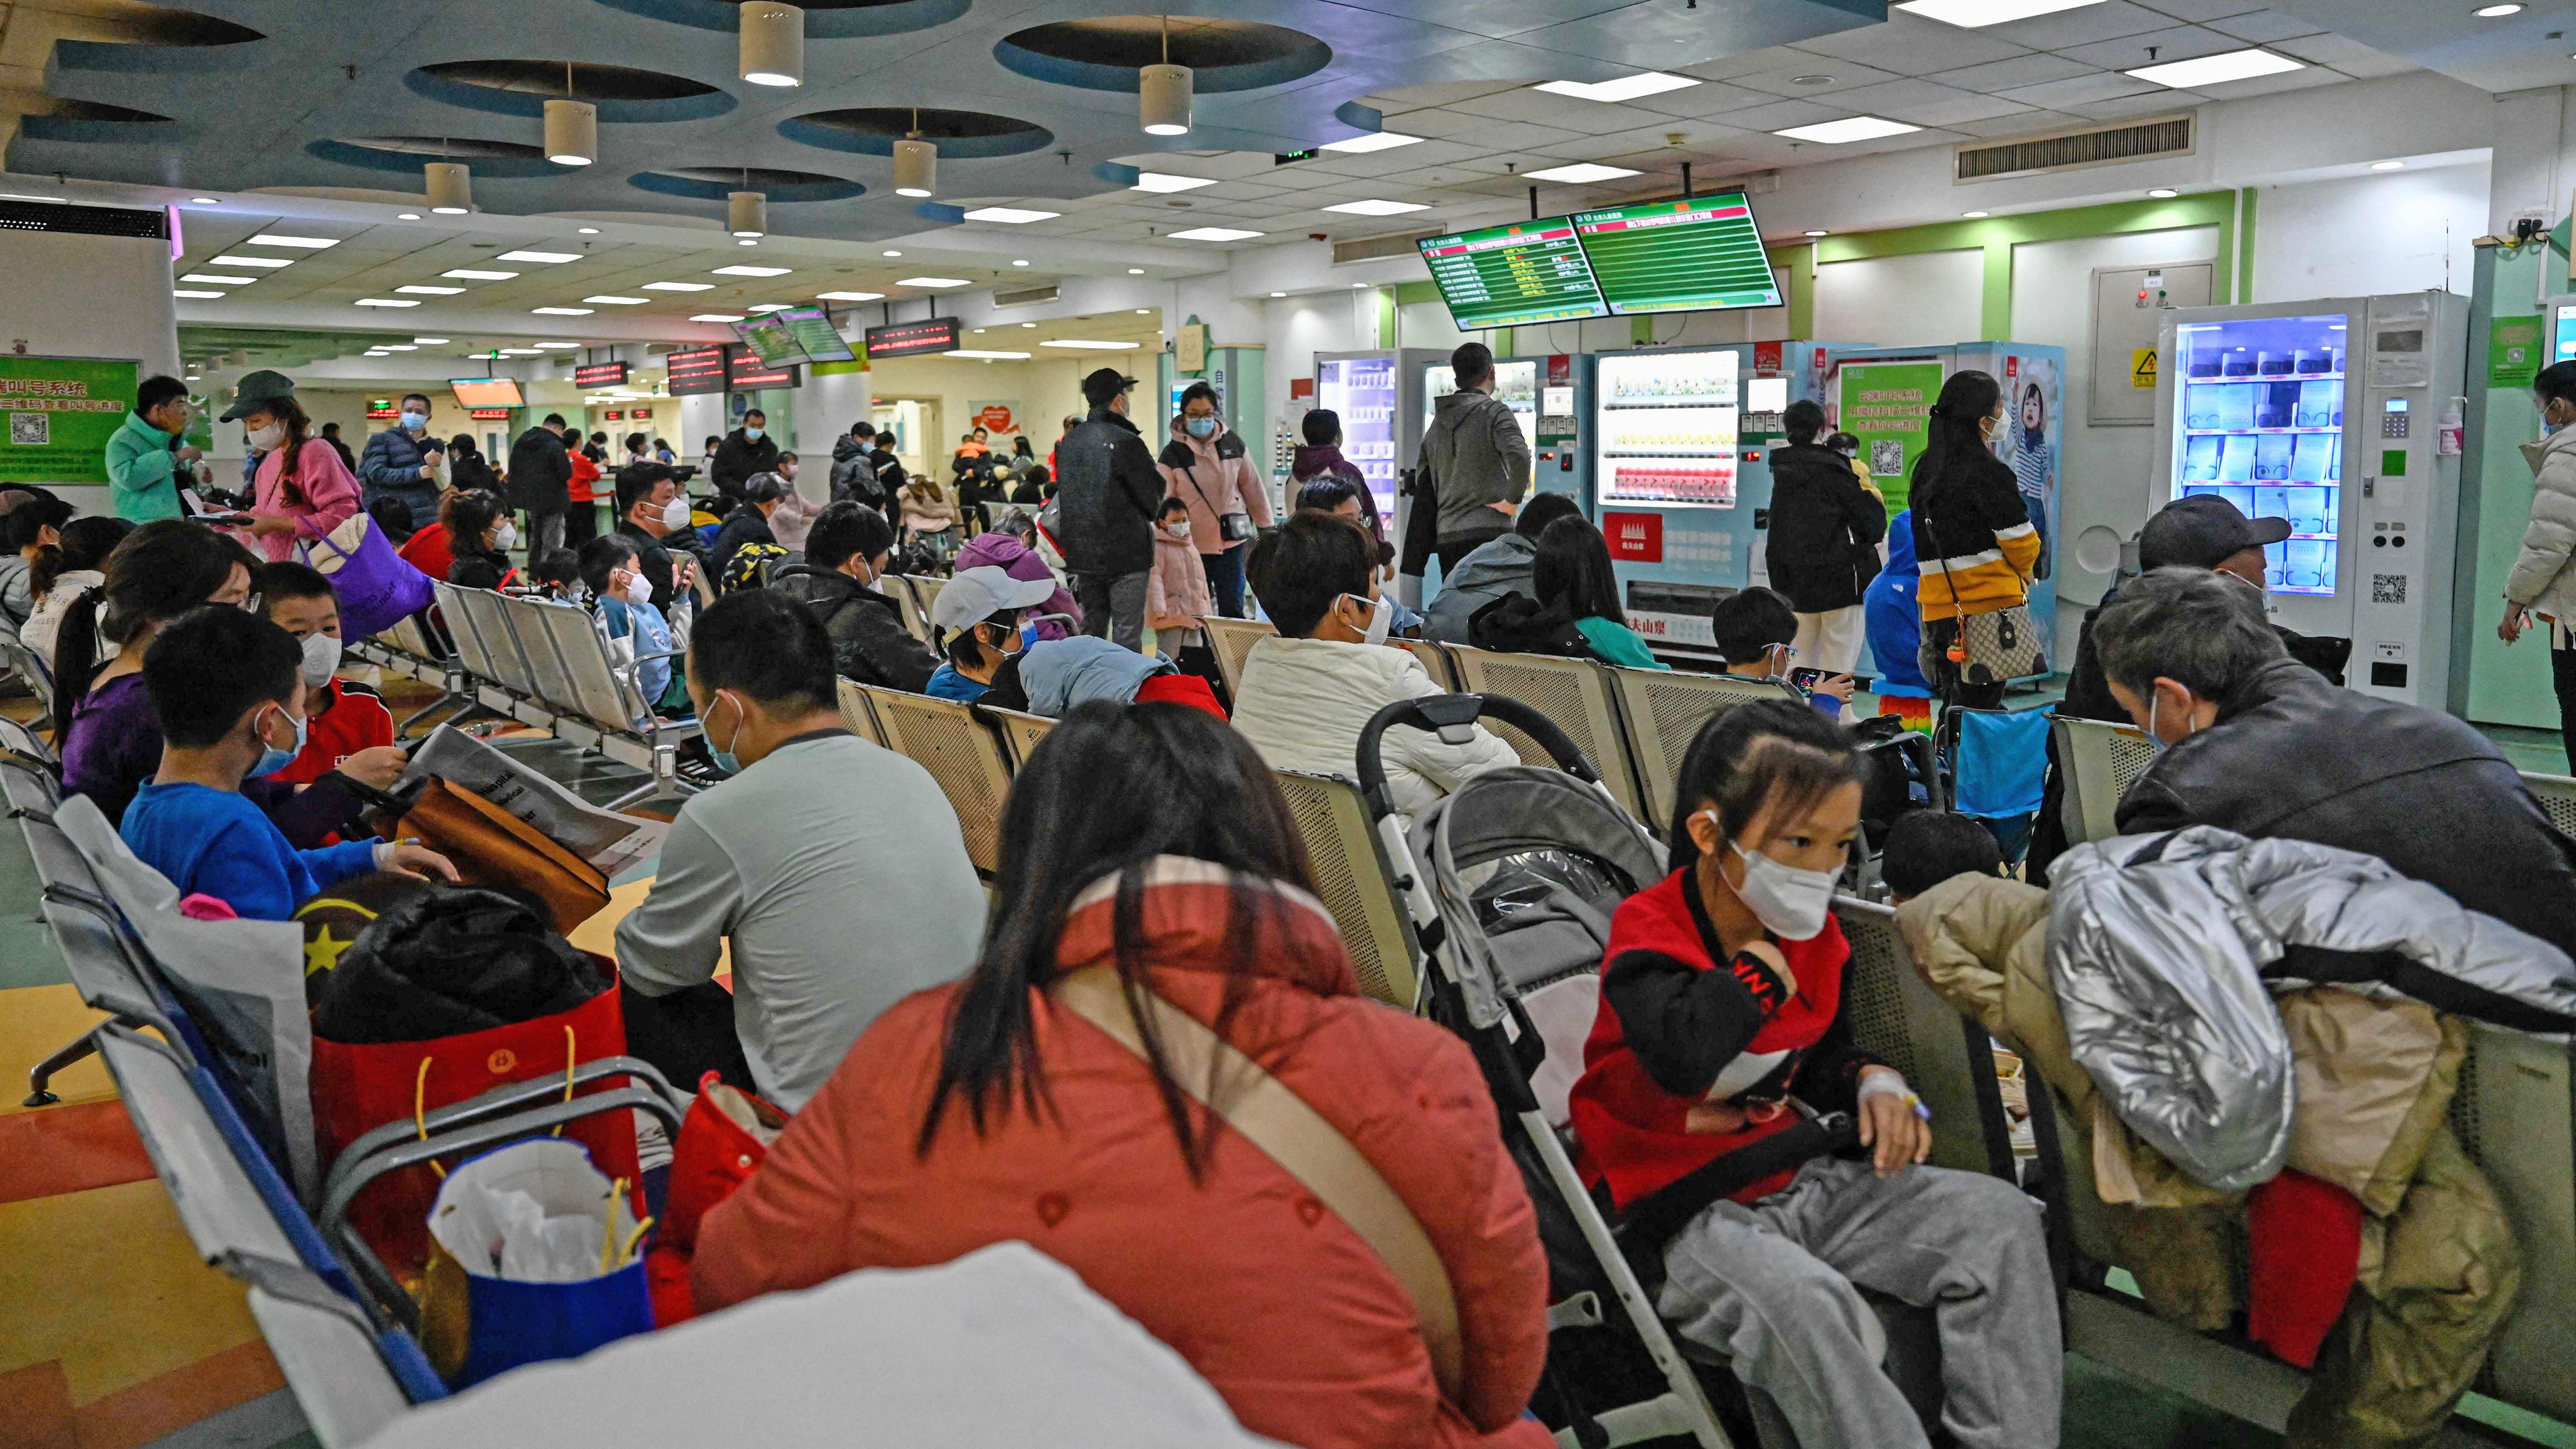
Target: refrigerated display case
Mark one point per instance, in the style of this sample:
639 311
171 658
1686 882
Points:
1379 397
1515 382
1546 397
2339 415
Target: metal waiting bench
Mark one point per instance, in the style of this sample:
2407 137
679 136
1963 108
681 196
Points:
1662 711
1356 883
1231 640
964 755
1572 692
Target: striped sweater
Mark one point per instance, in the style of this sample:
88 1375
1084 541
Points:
1976 541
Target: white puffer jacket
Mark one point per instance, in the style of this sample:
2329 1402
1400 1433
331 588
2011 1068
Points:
2544 573
1303 702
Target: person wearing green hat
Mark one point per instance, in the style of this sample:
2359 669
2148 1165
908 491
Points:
145 457
302 490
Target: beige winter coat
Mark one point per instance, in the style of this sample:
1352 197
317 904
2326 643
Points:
2544 572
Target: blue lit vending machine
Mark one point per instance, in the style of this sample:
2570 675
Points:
2342 415
1678 482
1379 397
1883 396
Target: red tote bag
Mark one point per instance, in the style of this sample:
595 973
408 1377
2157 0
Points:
357 1089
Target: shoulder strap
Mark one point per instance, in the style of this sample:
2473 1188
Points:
1296 1136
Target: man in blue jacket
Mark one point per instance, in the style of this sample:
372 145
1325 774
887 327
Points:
402 462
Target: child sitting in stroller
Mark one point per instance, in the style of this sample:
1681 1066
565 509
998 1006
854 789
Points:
1721 1078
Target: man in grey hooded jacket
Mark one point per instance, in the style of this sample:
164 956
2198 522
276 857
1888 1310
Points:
1476 456
1504 565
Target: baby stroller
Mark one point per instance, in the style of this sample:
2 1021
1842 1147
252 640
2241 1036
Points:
1510 882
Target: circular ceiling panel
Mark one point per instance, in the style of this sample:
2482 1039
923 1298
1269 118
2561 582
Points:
873 130
499 159
522 88
824 19
157 25
1105 52
715 183
102 112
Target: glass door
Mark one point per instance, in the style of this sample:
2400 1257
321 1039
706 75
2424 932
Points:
2262 425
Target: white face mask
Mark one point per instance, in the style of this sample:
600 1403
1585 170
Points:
1180 530
1790 903
675 514
1381 614
268 437
506 537
321 659
639 590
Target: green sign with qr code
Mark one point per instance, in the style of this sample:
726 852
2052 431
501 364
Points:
2513 351
60 412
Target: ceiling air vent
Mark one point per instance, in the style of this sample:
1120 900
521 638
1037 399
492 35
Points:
1026 296
1370 248
2073 150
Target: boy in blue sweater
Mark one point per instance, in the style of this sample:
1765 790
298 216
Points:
228 688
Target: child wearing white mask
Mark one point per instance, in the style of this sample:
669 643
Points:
350 730
1177 596
1733 1119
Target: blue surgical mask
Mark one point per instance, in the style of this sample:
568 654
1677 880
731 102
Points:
2156 742
726 760
272 759
1201 427
753 433
414 422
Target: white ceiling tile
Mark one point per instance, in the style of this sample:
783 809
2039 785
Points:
1911 45
2101 85
2182 42
1727 67
2142 104
2026 123
1922 103
1842 75
2264 26
2081 26
1437 93
2264 85
1712 98
1526 104
2022 70
1781 115
2201 11
1433 122
2349 56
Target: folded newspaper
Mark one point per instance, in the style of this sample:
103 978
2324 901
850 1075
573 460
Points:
608 840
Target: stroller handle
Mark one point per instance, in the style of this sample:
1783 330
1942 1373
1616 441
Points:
1450 716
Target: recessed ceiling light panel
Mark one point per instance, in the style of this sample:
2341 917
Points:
217 278
1847 130
1014 215
1214 234
752 271
717 317
1626 88
385 302
619 301
302 243
192 292
528 256
1579 173
561 311
1161 183
1379 208
426 291
677 287
1975 13
1079 344
1375 141
472 275
229 260
933 282
972 352
2213 70
849 296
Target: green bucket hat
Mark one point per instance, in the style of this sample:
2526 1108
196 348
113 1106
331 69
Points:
256 391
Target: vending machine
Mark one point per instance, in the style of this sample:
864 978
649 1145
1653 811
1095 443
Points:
1883 397
1379 397
1547 397
1678 482
2344 416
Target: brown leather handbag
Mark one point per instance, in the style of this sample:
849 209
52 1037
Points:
489 846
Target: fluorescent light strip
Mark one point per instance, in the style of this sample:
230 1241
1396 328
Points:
384 302
1161 183
987 356
2212 70
767 307
933 282
1579 173
184 292
429 341
1626 88
1014 215
471 275
1215 234
1847 130
1082 345
218 279
538 257
1378 208
308 243
229 260
751 271
561 311
427 291
1375 141
717 317
677 287
619 301
1972 14
849 296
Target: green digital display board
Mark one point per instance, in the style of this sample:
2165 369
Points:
1508 276
1697 254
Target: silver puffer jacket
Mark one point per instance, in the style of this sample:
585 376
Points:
2156 945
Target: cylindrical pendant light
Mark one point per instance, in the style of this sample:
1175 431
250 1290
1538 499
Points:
773 44
572 133
451 187
916 163
1163 93
747 213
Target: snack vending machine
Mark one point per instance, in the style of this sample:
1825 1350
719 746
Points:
1379 397
2344 416
1545 395
1678 485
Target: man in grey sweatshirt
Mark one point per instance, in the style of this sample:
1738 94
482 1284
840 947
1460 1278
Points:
1476 457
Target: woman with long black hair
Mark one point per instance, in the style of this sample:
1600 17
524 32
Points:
1153 905
1722 1014
1978 548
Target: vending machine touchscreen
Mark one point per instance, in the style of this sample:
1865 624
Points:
2262 427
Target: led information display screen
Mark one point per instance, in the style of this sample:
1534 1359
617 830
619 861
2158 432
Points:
486 392
746 371
795 334
697 370
1678 256
1506 276
600 374
911 339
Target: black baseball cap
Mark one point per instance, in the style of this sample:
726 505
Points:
2204 531
1105 384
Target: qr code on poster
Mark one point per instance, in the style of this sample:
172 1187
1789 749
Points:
1886 457
2388 588
31 430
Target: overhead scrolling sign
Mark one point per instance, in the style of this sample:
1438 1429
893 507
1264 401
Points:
62 411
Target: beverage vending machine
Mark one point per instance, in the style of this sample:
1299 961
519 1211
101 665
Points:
1547 397
1379 397
1678 482
2344 416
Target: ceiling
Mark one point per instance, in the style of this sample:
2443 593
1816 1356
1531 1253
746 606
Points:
311 119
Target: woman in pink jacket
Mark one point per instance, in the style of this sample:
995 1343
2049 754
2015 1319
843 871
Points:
1207 467
1149 860
303 489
